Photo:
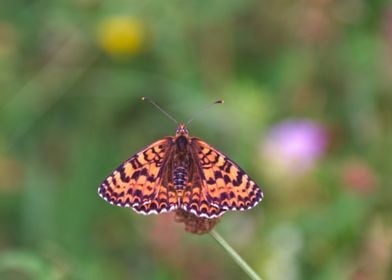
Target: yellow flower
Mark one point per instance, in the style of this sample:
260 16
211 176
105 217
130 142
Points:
121 36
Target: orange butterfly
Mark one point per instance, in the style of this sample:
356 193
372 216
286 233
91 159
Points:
181 172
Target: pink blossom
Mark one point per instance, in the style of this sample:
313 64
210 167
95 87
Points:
293 147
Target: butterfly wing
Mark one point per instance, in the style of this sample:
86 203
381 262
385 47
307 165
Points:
225 186
141 181
195 196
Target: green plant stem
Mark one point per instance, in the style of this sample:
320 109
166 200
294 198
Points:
237 258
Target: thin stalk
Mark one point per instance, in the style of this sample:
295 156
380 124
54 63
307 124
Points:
237 258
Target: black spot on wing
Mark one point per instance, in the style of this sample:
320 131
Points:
218 174
211 181
238 180
135 175
124 177
227 179
135 163
138 193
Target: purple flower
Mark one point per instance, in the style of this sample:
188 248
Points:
293 147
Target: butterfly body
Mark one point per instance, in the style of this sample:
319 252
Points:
181 172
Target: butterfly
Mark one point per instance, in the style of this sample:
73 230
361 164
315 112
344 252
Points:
181 173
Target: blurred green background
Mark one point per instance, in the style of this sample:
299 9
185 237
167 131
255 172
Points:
307 88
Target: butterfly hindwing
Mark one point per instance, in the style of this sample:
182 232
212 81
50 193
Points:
226 185
195 195
139 182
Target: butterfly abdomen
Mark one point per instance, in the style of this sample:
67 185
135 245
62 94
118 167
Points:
180 177
181 164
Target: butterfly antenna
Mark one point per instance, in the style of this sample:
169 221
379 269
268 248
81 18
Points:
159 108
204 109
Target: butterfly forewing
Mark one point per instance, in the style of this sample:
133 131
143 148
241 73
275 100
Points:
226 185
140 182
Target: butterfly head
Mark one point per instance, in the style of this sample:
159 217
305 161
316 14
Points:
181 130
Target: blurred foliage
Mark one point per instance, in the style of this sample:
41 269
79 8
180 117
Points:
71 77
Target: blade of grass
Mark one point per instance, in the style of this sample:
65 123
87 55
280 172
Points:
236 257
